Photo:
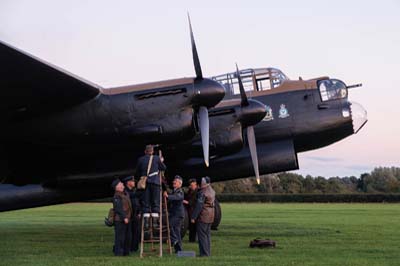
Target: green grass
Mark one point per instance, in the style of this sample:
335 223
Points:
306 234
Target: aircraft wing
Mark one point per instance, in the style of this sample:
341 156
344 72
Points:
30 87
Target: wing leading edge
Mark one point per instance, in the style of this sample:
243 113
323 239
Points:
30 87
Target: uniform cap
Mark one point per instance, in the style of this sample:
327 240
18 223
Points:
128 178
178 177
205 181
115 183
149 148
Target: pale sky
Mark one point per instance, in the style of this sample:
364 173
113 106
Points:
114 43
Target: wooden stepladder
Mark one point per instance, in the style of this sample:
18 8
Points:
156 237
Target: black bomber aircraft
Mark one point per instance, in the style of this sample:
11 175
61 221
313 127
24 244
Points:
64 139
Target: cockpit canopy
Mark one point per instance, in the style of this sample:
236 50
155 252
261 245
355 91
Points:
332 89
254 79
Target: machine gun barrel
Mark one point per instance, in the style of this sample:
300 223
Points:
354 86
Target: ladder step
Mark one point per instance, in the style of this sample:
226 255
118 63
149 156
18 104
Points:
159 236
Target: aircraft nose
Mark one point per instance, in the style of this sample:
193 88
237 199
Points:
358 116
208 92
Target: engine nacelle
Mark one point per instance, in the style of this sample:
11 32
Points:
273 157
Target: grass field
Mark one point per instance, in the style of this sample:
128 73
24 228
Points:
306 234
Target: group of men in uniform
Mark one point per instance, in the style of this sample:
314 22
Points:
131 203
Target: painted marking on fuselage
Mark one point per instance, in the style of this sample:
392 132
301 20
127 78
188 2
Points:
283 112
269 115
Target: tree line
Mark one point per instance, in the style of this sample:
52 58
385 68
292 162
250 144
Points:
379 180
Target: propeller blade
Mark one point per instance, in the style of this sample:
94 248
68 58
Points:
244 102
205 132
251 138
196 61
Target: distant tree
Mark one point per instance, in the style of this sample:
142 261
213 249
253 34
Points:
309 184
320 184
268 184
381 179
349 184
334 185
291 183
363 182
384 179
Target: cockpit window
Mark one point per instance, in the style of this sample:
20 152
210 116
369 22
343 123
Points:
263 82
258 79
332 89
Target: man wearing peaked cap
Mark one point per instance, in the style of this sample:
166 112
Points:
190 203
204 215
114 183
128 178
134 195
176 212
123 212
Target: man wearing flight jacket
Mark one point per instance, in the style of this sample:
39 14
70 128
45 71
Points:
122 219
129 183
176 212
204 215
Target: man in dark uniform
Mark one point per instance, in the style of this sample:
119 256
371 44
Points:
150 165
123 212
176 212
204 215
134 196
190 203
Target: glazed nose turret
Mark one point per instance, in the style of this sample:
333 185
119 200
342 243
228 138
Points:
358 116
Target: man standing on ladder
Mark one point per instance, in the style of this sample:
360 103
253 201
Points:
150 165
176 212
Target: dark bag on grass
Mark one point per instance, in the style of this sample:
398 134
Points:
262 243
109 220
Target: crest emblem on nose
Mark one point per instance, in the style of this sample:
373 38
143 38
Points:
283 111
268 115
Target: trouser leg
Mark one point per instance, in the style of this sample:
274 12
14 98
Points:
178 227
155 198
175 230
128 238
192 232
208 234
204 238
201 235
135 233
172 230
147 198
120 237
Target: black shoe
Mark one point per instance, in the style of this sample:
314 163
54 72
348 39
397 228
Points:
177 247
156 224
146 223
